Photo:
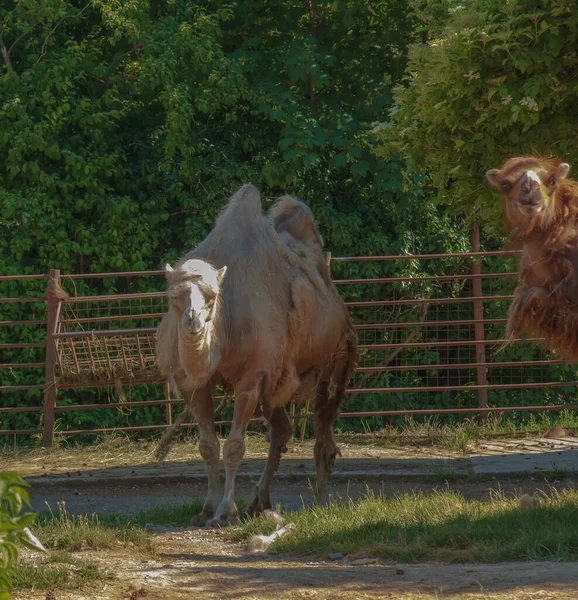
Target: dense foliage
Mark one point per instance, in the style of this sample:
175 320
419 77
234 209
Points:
125 125
489 80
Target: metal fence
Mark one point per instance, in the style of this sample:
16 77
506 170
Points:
431 340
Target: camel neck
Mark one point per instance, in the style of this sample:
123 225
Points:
196 353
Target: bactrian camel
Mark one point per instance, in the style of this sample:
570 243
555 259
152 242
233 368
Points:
253 309
540 212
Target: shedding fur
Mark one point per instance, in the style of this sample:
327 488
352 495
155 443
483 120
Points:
540 211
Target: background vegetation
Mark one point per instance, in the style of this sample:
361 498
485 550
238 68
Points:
125 125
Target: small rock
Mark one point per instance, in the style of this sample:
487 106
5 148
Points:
336 556
76 493
400 572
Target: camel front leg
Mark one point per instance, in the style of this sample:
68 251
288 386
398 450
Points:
246 398
201 402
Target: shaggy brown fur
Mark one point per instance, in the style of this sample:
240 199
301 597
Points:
540 211
280 329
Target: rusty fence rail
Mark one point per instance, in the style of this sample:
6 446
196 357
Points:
431 338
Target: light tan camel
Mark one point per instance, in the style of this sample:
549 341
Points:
253 309
540 212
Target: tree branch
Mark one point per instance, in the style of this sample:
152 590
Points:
5 53
51 33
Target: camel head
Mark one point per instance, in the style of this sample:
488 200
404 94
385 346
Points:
528 187
193 292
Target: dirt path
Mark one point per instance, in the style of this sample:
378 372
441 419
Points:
202 565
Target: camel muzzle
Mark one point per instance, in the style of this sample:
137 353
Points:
192 323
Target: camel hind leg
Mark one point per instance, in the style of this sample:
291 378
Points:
329 397
281 430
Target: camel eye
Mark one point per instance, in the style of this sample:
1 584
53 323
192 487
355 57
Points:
552 181
506 186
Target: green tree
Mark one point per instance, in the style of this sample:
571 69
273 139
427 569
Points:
488 81
125 125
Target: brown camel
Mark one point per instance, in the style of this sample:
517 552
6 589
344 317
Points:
540 211
253 309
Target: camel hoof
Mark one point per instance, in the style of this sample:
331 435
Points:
202 519
222 521
257 507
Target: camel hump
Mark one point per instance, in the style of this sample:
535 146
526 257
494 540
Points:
295 217
244 205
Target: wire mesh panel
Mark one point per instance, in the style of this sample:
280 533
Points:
423 345
108 339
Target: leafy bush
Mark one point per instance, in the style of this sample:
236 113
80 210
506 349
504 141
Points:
488 80
13 527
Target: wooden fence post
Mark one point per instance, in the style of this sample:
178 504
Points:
478 317
53 294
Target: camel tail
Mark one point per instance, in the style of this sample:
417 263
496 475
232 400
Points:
170 436
344 361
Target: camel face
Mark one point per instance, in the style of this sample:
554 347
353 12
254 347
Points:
527 186
193 292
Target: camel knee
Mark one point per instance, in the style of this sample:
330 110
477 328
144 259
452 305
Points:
233 451
209 450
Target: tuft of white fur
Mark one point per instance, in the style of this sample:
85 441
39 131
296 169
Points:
260 543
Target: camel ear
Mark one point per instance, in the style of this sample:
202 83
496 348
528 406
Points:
492 177
562 171
221 274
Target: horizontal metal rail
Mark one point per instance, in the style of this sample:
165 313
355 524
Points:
20 323
402 324
17 388
465 300
21 300
410 279
113 297
104 332
21 277
136 317
447 344
20 409
423 256
461 388
345 415
22 365
22 345
20 431
449 366
109 275
388 390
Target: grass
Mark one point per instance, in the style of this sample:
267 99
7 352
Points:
118 448
437 526
177 516
74 533
463 435
58 571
